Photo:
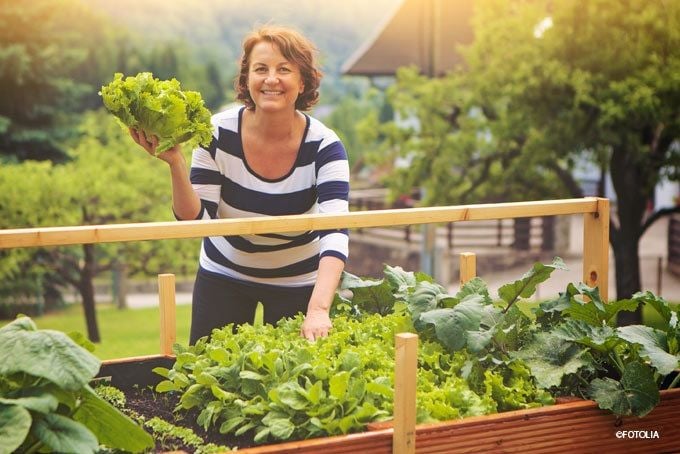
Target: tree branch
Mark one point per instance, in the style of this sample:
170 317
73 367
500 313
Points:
658 215
566 178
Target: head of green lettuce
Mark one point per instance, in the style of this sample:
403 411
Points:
160 108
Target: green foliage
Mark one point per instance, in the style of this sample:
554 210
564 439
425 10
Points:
108 180
569 347
349 115
159 108
45 399
274 384
41 46
547 88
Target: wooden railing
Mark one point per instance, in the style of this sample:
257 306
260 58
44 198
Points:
595 244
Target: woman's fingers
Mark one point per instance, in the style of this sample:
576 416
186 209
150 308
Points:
135 135
147 141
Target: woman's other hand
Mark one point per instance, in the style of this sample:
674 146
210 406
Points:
317 324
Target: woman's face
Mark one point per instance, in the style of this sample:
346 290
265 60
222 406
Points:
274 83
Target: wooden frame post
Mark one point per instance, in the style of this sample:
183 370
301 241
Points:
596 248
468 266
405 377
166 296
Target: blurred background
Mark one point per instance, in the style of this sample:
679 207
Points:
438 102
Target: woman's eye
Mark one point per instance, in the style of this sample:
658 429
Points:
285 70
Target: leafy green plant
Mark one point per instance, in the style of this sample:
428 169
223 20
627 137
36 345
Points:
160 108
272 384
46 402
570 345
621 368
477 355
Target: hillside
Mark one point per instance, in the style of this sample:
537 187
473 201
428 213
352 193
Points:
215 28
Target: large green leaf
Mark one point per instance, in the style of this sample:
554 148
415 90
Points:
38 400
600 338
45 353
452 324
637 393
291 395
654 346
110 426
595 314
550 358
401 281
659 304
526 286
373 296
423 299
15 423
475 286
62 434
280 428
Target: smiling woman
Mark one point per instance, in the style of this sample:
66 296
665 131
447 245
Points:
266 158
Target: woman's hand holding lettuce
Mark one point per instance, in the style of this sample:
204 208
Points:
158 108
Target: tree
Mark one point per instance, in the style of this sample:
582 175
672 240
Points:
40 44
546 84
107 180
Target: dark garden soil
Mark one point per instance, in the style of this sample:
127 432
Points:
147 403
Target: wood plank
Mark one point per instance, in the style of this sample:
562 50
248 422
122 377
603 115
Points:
166 296
53 236
468 266
596 248
405 378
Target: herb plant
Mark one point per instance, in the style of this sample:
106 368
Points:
272 383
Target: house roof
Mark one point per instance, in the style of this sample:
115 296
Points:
424 33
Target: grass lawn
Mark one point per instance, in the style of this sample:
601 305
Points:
124 333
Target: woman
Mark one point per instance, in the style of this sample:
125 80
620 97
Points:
266 158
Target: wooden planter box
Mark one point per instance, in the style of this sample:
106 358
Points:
577 427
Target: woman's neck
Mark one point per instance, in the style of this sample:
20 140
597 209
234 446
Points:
273 126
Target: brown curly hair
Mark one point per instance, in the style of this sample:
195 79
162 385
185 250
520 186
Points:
296 48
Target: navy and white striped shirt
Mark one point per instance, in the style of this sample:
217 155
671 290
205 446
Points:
317 183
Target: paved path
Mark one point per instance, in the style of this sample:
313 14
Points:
652 249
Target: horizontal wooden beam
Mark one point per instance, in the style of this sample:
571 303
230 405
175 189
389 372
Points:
111 233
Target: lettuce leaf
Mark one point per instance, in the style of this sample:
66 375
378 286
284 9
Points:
160 108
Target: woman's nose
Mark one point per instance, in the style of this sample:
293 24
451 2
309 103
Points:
271 78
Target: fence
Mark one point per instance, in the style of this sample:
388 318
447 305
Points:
595 211
522 234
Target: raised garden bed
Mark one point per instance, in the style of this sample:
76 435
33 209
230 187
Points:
578 426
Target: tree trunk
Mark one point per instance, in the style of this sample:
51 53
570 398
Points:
627 262
632 194
86 288
120 284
